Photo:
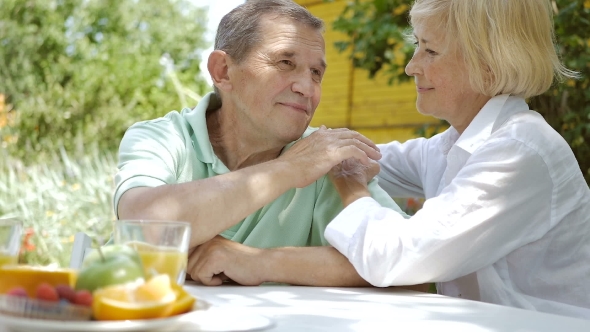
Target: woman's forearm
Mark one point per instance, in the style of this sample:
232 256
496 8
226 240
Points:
350 190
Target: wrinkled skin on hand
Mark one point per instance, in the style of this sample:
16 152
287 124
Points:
313 156
219 260
351 170
350 179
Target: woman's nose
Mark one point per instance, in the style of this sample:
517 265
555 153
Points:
411 67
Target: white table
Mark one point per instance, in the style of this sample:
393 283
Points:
302 309
294 308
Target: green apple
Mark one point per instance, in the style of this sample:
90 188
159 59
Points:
108 251
112 269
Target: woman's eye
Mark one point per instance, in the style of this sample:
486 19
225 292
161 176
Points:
429 51
286 62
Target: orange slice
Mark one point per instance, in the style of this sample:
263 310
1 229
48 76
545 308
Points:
155 289
107 309
184 301
153 299
29 277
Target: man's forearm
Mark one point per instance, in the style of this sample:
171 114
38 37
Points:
211 205
310 266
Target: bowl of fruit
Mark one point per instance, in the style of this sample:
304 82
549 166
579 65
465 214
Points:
110 287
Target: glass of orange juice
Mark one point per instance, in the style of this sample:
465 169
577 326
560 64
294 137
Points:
162 245
10 238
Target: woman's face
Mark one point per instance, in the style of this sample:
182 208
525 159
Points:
442 78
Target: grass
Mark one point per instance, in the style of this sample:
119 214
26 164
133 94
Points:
55 200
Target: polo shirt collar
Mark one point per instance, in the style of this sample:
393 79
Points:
200 135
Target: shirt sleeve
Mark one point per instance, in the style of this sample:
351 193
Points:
329 204
499 201
406 167
149 156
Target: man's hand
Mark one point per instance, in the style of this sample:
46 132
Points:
315 155
350 179
219 259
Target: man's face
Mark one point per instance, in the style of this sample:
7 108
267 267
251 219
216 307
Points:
277 87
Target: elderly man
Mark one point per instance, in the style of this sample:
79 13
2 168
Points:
243 163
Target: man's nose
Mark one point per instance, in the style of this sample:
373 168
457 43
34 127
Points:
304 85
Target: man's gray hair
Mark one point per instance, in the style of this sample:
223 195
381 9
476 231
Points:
238 32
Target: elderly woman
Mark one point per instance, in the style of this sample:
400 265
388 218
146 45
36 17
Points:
507 212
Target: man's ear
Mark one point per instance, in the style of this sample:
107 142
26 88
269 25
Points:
218 69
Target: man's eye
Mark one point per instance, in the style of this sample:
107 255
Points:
317 75
286 62
431 52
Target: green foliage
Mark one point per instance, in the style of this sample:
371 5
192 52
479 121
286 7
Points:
567 106
376 42
82 71
56 199
377 31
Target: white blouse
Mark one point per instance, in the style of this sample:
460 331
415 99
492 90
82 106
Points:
506 220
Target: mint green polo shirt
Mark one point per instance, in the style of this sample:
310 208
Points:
176 149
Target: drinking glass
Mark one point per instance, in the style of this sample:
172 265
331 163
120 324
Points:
162 245
10 238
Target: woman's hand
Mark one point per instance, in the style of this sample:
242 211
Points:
350 179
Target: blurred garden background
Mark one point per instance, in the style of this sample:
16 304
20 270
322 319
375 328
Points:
75 74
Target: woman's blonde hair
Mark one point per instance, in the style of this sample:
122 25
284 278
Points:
508 45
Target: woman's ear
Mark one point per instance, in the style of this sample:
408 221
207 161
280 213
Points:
217 65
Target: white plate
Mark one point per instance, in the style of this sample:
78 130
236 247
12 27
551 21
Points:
221 319
200 319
